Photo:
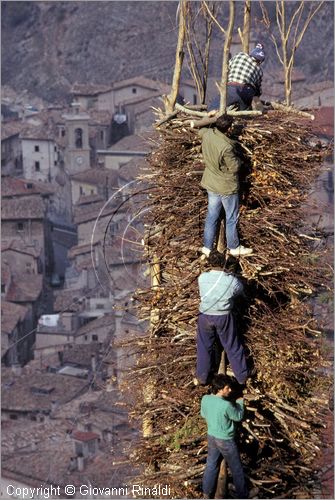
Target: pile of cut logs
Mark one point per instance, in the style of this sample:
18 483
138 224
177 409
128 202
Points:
280 435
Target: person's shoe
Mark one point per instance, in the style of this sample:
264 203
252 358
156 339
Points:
196 381
205 251
240 251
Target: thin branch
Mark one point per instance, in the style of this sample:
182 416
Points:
213 18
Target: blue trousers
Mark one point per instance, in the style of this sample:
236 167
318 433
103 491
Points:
236 94
226 448
212 329
230 203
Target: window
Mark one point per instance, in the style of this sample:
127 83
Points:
134 90
194 99
55 162
37 148
102 135
81 191
29 185
37 166
100 306
62 132
3 288
95 338
20 226
13 417
92 191
78 138
55 149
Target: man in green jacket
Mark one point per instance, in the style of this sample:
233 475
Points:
220 179
221 416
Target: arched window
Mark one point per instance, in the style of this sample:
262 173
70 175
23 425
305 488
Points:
78 138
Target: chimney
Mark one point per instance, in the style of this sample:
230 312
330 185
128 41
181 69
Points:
80 463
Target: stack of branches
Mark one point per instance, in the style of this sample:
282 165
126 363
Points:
280 436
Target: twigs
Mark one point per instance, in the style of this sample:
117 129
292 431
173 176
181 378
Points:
279 166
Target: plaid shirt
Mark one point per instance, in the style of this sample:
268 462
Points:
243 69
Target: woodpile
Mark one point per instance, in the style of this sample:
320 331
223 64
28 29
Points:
280 435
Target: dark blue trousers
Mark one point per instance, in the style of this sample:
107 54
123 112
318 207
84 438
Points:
236 94
211 330
218 448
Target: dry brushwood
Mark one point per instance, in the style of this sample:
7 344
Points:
281 433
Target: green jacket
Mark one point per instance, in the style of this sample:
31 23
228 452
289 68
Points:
221 415
222 163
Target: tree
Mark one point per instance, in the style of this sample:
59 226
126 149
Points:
291 28
170 100
228 37
198 55
245 35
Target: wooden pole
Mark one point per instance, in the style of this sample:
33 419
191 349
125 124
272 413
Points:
221 487
150 386
170 100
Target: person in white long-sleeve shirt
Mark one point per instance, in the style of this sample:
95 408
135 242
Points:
218 288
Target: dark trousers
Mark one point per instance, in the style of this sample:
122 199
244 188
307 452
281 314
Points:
236 94
226 448
211 330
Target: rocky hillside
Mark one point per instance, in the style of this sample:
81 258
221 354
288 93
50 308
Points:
46 46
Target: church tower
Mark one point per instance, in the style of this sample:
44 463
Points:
77 150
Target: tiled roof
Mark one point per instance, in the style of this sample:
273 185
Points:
324 121
37 391
80 354
80 250
100 117
315 87
96 177
25 207
25 288
131 169
12 186
89 198
140 81
86 213
141 98
132 143
89 89
20 247
107 321
10 129
68 300
11 314
84 436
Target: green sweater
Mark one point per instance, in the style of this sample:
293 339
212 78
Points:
222 163
221 415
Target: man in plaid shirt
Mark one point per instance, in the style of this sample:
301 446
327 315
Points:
244 79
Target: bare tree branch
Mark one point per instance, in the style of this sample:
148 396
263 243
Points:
213 18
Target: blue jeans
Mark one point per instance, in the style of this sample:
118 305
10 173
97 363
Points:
230 203
227 449
212 328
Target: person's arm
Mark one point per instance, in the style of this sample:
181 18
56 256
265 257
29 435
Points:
236 411
237 286
229 160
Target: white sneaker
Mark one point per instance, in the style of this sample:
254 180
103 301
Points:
240 251
206 251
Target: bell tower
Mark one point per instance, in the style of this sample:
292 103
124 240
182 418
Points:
77 149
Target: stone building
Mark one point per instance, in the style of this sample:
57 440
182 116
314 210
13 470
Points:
15 347
24 220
